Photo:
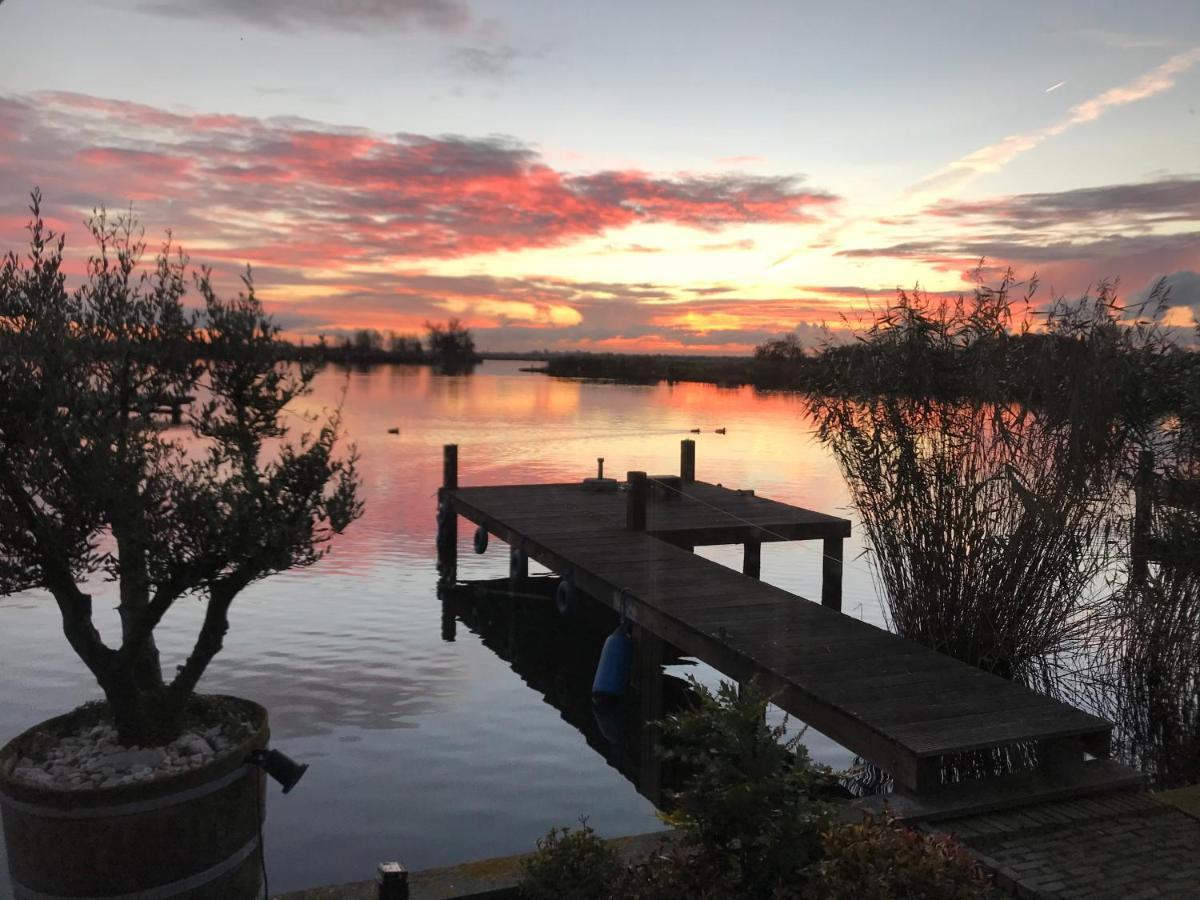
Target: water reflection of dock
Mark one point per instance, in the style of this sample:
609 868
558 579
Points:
899 705
556 656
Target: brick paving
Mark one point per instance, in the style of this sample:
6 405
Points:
1121 845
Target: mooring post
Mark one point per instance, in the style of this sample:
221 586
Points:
392 881
1139 563
635 501
447 541
687 460
831 574
752 558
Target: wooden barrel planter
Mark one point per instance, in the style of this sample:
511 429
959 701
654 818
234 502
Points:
195 834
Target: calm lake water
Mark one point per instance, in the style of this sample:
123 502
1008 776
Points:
422 750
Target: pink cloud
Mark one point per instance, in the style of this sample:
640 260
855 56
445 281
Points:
325 195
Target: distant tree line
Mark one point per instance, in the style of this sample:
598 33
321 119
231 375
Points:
972 346
449 346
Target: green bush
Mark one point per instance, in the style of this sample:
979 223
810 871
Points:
881 859
575 864
755 806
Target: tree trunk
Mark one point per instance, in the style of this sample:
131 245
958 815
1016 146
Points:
144 718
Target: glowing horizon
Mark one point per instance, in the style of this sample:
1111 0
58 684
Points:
563 236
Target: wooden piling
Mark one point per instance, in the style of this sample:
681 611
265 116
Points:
687 459
392 882
1139 564
447 542
650 653
752 559
450 466
831 574
518 566
635 502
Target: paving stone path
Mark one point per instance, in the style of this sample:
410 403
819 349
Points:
1127 845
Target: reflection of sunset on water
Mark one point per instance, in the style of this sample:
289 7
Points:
348 655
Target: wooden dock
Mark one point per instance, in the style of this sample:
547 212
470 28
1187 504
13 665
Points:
897 704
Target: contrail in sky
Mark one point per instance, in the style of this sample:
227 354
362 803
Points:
998 154
1054 87
991 158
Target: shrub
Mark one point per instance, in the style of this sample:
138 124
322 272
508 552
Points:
881 859
668 874
754 806
568 863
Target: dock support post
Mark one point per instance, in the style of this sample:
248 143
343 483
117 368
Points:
1139 564
445 593
650 652
831 574
752 559
687 460
635 502
176 411
518 566
447 539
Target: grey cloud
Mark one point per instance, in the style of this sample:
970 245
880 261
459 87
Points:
1013 247
484 62
342 15
1183 289
1166 200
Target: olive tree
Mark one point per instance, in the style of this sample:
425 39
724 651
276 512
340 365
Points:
95 489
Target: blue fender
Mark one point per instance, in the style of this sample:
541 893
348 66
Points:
616 660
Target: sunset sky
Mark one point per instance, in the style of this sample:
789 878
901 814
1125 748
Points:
665 176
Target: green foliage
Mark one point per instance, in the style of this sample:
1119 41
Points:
755 820
881 859
92 483
754 805
567 863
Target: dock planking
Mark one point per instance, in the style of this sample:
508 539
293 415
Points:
892 701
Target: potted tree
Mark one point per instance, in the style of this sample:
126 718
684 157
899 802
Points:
148 789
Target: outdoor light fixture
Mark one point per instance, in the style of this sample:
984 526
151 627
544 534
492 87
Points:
279 766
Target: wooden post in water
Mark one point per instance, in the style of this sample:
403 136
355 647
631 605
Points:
752 559
447 539
176 410
831 574
1139 563
687 460
650 690
635 502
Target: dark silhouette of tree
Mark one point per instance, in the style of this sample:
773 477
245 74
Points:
367 341
782 349
404 344
451 345
91 484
